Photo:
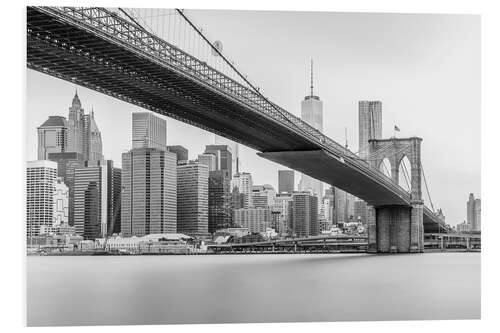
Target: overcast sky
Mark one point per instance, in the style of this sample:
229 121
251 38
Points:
424 68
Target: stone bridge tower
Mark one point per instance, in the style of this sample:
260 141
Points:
397 228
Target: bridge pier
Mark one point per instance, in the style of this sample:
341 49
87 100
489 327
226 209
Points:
396 229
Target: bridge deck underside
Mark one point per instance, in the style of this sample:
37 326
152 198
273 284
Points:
78 55
329 169
72 54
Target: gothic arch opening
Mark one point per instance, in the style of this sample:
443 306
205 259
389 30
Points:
385 167
405 173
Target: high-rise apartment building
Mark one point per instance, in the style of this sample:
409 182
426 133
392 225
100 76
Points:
255 219
224 159
192 199
40 187
243 182
91 201
304 214
52 137
219 201
148 131
286 181
370 124
312 113
149 192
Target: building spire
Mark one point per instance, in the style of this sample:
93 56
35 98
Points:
312 78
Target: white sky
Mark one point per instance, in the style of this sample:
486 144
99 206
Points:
424 68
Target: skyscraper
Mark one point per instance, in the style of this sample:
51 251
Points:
180 152
116 185
312 113
52 137
243 182
344 206
91 201
304 214
233 149
192 199
219 201
286 181
75 126
209 160
40 187
474 213
84 136
224 159
149 192
148 131
370 124
92 142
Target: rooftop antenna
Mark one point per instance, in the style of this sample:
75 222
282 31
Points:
345 129
312 78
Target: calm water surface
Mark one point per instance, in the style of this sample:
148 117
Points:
111 290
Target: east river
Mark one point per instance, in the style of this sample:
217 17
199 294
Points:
107 290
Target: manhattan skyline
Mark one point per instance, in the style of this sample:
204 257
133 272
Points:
416 82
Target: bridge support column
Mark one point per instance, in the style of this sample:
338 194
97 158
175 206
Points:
371 224
396 229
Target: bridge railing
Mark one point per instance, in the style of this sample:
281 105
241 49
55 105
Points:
109 24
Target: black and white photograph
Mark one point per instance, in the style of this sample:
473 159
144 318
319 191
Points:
187 165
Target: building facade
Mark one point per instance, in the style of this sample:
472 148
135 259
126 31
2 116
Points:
92 142
52 137
148 192
263 196
256 220
210 160
286 181
67 162
192 199
219 201
181 153
474 213
148 131
233 148
84 136
224 158
40 187
61 203
91 201
243 182
304 215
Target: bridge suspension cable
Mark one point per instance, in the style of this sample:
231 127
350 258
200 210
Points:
426 187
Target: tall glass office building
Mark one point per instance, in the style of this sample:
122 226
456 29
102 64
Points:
192 199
